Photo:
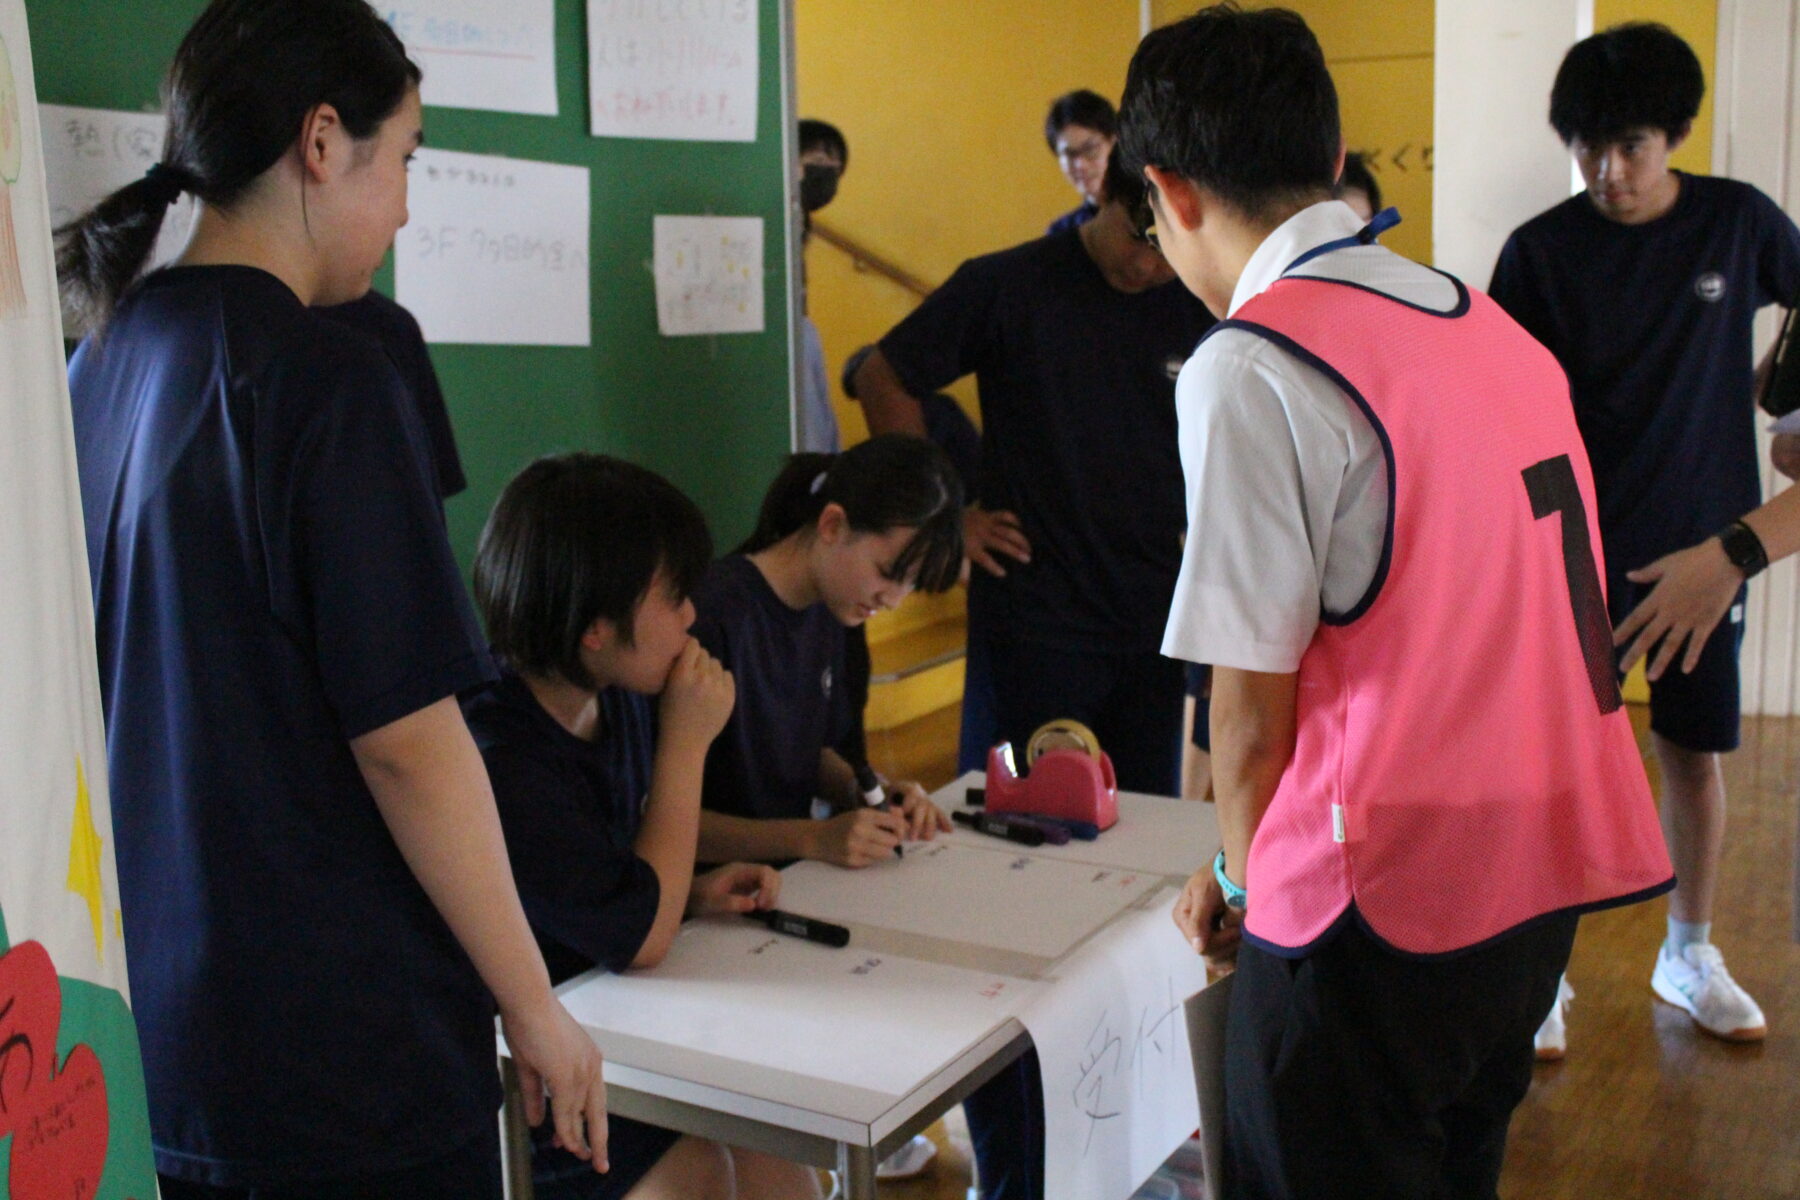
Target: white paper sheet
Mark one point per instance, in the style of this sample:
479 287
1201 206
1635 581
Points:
1112 1040
493 54
730 988
496 252
685 71
989 894
709 275
90 153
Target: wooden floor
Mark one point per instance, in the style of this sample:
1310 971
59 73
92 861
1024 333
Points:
1645 1106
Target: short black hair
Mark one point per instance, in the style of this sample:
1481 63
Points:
1357 175
1080 107
1239 103
577 538
1128 189
823 135
1634 76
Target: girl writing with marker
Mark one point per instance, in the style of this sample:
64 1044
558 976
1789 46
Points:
840 538
315 888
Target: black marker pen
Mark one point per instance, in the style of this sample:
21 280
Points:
822 932
998 826
874 795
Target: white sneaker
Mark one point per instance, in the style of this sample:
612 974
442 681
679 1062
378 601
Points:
909 1160
1698 982
1552 1041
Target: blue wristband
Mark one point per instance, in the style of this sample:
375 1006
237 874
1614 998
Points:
1235 896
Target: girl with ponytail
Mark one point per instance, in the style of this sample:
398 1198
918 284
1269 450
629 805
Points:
315 890
840 538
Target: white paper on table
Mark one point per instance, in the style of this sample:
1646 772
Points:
843 1015
995 895
1112 1041
90 153
496 252
709 275
492 54
684 71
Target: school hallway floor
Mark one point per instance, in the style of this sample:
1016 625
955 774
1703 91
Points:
1644 1106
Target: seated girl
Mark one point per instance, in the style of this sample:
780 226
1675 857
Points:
840 538
583 576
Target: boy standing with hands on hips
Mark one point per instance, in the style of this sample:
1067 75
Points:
1423 769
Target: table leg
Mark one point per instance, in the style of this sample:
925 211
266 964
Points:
856 1171
515 1144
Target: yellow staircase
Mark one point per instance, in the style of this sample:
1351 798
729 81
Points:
916 657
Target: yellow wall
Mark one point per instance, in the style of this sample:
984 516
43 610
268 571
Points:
943 106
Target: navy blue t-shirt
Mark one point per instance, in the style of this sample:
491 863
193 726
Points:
571 809
1653 325
789 668
272 579
1077 388
398 333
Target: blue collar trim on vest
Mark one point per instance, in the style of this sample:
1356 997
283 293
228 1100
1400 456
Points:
1383 221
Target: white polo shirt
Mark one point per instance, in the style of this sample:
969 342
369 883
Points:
1286 480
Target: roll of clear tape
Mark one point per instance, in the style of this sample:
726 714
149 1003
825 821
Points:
1064 733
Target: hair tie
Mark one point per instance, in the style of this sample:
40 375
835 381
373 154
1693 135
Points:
167 183
817 483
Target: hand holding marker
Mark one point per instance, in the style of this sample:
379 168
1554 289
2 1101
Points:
874 795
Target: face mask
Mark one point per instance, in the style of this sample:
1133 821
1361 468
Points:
818 184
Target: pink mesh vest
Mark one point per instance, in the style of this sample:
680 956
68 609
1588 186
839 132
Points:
1463 762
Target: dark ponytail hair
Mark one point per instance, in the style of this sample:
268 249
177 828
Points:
245 77
888 482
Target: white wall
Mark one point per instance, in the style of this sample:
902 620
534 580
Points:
1756 138
1498 163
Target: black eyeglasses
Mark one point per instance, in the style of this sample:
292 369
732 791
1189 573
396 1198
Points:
1143 226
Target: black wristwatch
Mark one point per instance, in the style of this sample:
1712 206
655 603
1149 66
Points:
1743 548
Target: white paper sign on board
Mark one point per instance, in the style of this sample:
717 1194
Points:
685 71
492 54
90 153
709 275
496 251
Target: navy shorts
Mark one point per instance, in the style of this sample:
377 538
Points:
632 1148
1697 711
1199 686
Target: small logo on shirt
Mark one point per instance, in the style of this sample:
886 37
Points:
1172 366
825 681
1710 287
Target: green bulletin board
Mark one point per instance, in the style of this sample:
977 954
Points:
711 413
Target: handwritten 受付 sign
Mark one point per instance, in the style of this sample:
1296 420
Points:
496 251
1112 1040
679 69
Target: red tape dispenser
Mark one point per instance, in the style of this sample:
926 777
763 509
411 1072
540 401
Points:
1068 777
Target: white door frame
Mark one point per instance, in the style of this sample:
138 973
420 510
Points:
1756 138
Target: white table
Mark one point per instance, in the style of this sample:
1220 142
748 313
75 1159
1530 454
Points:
700 1083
